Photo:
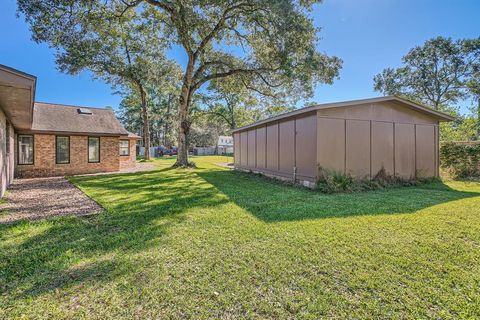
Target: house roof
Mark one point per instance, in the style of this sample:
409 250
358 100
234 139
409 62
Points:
441 116
59 118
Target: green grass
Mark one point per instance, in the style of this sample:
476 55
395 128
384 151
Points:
211 243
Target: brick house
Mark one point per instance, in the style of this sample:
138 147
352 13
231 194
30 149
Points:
43 139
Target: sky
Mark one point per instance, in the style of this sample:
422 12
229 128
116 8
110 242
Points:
368 35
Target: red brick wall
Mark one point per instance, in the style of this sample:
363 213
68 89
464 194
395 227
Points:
44 154
130 160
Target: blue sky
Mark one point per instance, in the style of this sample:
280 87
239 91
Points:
368 35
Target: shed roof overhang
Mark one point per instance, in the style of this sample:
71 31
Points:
17 94
440 116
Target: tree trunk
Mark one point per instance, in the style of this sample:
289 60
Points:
166 129
184 127
146 124
233 124
478 118
184 124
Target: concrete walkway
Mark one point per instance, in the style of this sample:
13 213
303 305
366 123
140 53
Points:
41 198
139 167
224 164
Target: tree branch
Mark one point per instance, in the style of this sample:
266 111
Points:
230 72
165 5
128 5
218 26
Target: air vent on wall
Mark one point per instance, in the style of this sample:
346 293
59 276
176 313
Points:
84 111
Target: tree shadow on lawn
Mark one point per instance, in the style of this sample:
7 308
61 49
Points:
274 201
37 257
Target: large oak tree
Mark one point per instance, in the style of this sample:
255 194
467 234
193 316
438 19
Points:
269 45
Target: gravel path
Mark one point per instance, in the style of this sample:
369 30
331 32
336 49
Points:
45 197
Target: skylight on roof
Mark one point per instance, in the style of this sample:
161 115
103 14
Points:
84 111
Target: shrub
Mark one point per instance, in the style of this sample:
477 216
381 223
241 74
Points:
460 160
335 182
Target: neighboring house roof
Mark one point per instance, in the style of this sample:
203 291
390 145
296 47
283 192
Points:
418 107
59 118
134 136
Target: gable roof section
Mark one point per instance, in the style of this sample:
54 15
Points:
58 118
441 116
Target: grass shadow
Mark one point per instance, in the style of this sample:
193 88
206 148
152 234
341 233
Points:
273 201
140 210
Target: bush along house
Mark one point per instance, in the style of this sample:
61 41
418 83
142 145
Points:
44 139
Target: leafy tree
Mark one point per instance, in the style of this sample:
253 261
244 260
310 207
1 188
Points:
274 110
230 103
463 128
236 105
269 44
473 83
436 73
118 50
161 114
205 132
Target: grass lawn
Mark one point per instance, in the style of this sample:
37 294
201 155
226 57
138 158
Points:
211 243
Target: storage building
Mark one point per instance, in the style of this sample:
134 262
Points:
361 138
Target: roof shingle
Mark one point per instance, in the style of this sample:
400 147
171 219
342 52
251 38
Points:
64 118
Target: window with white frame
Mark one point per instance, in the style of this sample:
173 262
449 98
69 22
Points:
124 147
93 149
25 149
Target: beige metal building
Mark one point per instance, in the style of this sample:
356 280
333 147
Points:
359 137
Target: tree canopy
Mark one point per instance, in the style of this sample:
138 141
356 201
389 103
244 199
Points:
269 46
435 73
440 73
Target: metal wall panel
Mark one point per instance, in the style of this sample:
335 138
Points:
306 146
358 148
287 146
425 150
360 140
382 147
236 148
272 147
261 147
380 111
252 148
405 150
331 144
243 148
